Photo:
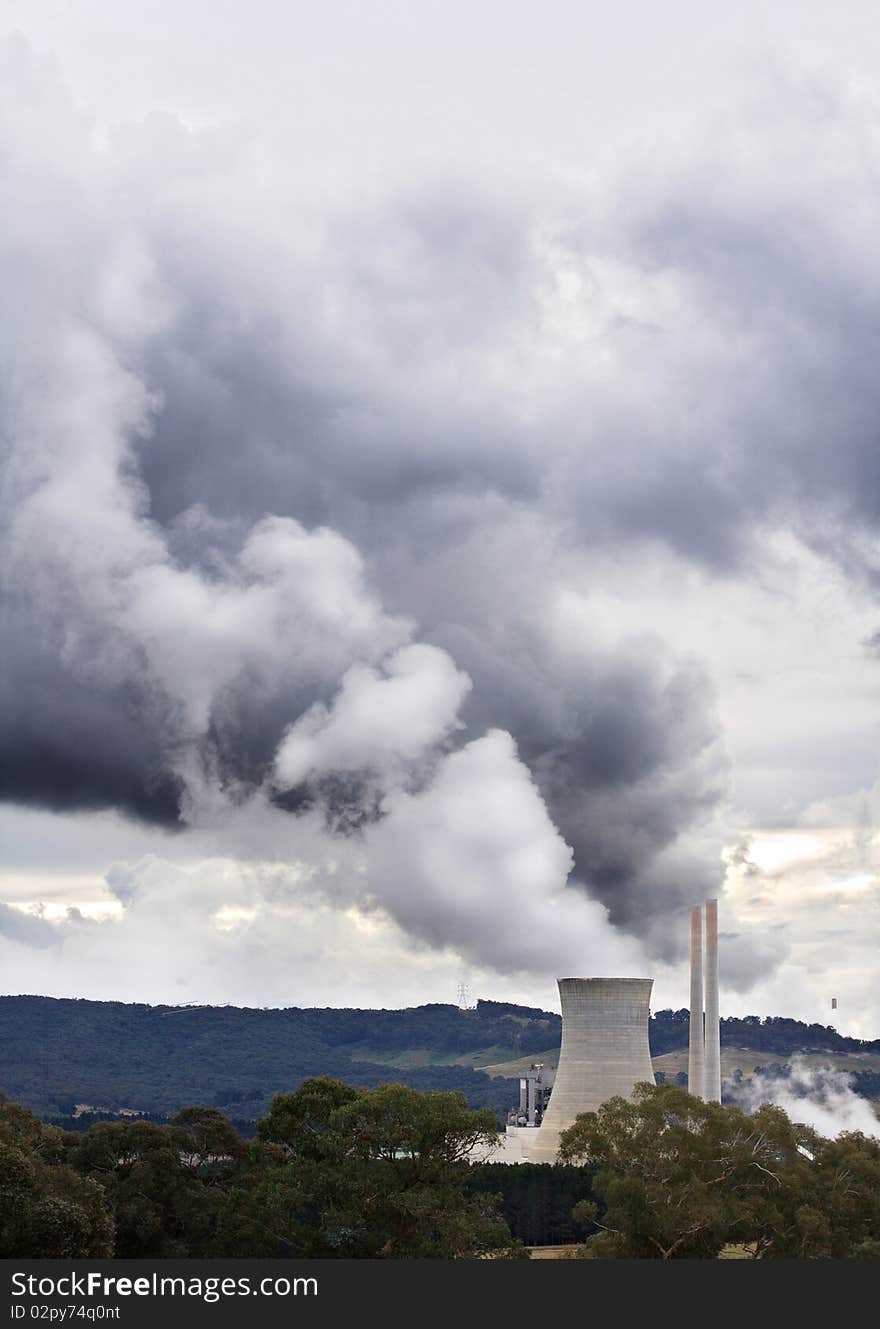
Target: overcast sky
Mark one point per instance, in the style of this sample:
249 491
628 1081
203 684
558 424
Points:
440 499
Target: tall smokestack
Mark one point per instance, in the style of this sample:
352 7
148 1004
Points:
695 1041
712 1064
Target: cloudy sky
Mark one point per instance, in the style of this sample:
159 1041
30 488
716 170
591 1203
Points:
440 499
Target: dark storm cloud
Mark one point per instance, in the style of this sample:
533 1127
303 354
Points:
317 413
407 385
625 750
765 405
67 745
757 405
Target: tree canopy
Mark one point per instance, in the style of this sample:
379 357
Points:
334 1171
677 1178
376 1172
384 1172
46 1208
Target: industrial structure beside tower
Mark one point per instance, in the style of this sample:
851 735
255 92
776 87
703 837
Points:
605 1051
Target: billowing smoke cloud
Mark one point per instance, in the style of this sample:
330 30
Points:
478 845
297 522
818 1096
378 719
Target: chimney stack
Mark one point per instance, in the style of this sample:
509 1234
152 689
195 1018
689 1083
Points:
712 1057
695 1041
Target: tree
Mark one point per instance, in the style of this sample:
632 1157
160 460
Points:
375 1173
209 1143
835 1212
166 1185
679 1178
46 1210
301 1122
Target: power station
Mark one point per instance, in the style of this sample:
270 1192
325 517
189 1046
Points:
605 1051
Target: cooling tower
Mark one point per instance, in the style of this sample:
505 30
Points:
604 1052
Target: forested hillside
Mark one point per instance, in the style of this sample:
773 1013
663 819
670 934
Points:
57 1055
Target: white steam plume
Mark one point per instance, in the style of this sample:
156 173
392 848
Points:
820 1097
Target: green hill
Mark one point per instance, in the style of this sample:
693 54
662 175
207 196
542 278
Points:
57 1055
63 1056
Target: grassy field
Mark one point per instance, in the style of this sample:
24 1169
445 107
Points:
520 1065
553 1252
671 1063
746 1059
496 1060
742 1251
411 1058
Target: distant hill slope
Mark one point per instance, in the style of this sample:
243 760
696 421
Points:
59 1053
56 1054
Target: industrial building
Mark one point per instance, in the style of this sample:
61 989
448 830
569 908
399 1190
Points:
534 1095
605 1051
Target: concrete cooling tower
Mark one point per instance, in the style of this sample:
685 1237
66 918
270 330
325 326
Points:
604 1052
